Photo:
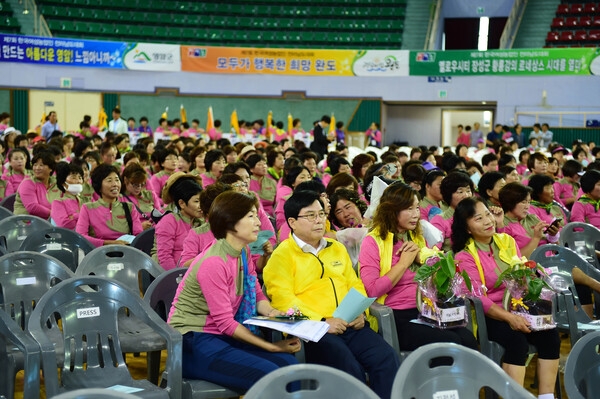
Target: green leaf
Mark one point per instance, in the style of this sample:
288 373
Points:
467 280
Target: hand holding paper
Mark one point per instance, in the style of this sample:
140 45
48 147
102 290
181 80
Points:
353 304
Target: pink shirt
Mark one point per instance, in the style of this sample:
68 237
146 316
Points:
169 235
32 197
212 279
266 192
65 211
521 169
585 213
283 193
99 221
517 230
491 272
564 190
214 134
207 179
158 181
13 180
147 201
464 138
443 222
400 296
197 241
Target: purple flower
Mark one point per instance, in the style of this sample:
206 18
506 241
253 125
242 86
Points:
432 260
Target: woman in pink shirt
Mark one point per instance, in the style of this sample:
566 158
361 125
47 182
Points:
396 231
430 191
168 161
134 190
105 220
219 291
19 167
483 254
214 163
291 179
587 208
65 210
260 184
184 192
36 192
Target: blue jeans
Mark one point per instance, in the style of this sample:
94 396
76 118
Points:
228 362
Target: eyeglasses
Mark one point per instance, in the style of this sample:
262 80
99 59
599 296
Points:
239 185
312 217
137 185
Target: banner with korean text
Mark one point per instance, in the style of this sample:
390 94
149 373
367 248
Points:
238 60
511 62
89 53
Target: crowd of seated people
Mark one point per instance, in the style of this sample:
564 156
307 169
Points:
359 221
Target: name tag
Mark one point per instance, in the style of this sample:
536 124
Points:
336 263
21 238
115 267
88 312
446 395
54 246
26 281
579 243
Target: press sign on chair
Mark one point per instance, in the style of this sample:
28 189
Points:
88 312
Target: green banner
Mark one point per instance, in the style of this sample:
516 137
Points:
512 62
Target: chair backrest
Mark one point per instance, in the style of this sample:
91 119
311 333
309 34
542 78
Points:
128 265
161 292
11 333
565 211
15 229
9 202
326 382
469 371
24 278
95 393
63 244
89 308
581 238
5 213
144 241
582 370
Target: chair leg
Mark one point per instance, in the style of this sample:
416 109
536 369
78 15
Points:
153 363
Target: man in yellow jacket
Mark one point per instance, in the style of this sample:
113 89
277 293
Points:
313 274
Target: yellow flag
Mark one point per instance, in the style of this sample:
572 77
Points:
332 124
164 114
102 119
43 117
290 122
210 120
269 124
235 125
182 114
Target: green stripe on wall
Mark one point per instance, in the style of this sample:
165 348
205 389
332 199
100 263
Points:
566 136
368 111
109 101
20 110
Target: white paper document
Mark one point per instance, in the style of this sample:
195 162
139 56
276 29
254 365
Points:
308 330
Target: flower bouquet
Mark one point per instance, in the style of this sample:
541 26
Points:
442 291
528 293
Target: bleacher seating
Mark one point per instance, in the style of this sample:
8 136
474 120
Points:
267 23
8 23
574 24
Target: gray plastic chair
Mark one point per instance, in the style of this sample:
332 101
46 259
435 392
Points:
15 229
568 312
95 393
9 202
144 241
134 269
63 244
24 278
89 309
5 213
582 370
160 296
469 372
326 382
581 238
11 335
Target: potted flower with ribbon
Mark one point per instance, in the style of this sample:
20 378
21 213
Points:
441 293
528 292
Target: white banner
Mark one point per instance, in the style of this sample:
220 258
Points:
153 57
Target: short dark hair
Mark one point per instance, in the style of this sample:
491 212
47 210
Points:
25 153
101 172
487 182
290 177
234 167
326 119
571 168
227 210
47 158
253 159
211 157
487 158
464 211
505 159
589 180
311 185
184 189
455 180
116 110
537 184
536 156
348 195
210 192
272 157
64 170
512 194
298 201
334 166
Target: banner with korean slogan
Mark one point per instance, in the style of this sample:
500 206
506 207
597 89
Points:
89 53
510 62
237 60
